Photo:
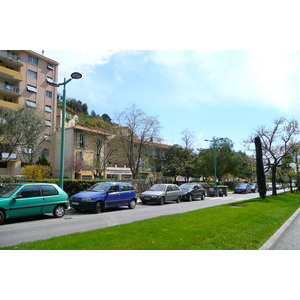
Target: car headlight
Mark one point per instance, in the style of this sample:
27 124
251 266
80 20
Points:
86 199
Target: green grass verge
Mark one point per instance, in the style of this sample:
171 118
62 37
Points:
241 225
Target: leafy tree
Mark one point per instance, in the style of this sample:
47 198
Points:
228 161
42 161
179 161
106 118
77 106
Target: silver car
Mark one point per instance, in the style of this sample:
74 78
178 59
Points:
160 193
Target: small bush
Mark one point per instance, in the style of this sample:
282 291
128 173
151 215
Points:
36 171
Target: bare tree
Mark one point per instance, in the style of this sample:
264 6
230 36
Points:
103 152
188 139
140 131
278 143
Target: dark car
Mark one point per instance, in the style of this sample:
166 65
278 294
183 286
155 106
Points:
254 187
242 188
103 195
160 193
192 191
28 199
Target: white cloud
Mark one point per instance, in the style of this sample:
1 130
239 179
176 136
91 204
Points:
82 61
118 78
256 78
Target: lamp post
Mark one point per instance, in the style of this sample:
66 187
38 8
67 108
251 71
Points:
75 75
214 140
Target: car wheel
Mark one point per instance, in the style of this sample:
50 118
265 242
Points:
190 198
203 196
144 202
162 201
98 208
59 211
2 218
178 199
132 204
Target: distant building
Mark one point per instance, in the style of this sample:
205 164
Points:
24 77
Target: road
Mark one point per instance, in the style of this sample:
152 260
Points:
16 231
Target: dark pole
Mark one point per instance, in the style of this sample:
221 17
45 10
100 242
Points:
261 178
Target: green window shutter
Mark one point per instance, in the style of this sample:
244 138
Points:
78 140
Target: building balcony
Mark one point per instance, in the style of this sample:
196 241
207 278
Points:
11 58
9 89
10 105
11 75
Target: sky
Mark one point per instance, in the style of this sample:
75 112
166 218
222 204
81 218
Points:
212 93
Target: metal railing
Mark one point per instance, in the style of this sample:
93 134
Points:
10 88
10 55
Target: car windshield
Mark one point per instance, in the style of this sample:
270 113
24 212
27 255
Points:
158 187
242 184
187 186
8 190
99 187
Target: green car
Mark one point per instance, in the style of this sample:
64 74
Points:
28 199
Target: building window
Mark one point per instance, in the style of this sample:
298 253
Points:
82 140
46 152
32 59
32 74
48 123
50 66
30 103
48 94
48 108
49 79
31 88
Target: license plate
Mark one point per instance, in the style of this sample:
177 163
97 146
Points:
75 203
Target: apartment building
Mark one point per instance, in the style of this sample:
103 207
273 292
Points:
24 78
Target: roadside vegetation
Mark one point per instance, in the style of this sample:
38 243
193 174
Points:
244 225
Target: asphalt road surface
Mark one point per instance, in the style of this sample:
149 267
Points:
16 231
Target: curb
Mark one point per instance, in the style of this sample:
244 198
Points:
274 239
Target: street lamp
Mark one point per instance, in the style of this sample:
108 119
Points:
75 75
214 140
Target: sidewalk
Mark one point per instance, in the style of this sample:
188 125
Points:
287 237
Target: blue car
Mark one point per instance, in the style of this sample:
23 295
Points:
103 195
242 188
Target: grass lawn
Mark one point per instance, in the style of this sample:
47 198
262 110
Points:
241 225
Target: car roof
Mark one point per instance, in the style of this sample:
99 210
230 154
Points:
30 183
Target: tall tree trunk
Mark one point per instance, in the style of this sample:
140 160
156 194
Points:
274 190
261 178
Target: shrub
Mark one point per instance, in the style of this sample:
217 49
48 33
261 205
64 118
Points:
36 171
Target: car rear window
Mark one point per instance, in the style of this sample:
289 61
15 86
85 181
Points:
49 190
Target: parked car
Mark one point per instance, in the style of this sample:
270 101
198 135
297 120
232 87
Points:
254 187
242 188
160 193
269 186
103 195
192 191
27 199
